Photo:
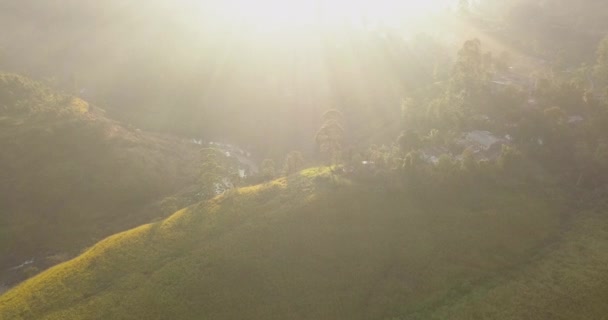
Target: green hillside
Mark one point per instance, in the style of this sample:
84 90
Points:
310 246
567 282
457 156
70 177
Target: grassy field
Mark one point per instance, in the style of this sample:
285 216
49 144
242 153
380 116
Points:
567 280
70 177
304 247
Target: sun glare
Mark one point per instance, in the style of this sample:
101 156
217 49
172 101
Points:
280 14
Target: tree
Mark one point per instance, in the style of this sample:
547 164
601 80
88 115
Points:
380 156
408 141
412 162
468 163
330 136
268 169
212 172
434 138
601 66
469 68
294 162
468 87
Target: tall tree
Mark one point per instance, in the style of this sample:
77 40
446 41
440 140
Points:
294 162
330 136
469 92
469 70
212 172
268 169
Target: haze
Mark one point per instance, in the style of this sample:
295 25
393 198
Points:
303 159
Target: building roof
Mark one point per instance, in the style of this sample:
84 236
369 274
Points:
478 138
575 119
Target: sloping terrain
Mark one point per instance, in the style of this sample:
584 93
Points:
568 281
310 246
70 177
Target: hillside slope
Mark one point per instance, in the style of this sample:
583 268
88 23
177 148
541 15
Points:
569 281
70 177
303 247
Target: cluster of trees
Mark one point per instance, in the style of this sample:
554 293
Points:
219 173
555 123
293 163
22 96
363 75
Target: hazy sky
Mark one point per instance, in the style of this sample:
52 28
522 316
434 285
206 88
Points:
286 14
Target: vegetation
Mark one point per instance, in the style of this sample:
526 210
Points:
564 282
70 177
212 173
297 247
458 160
330 136
294 162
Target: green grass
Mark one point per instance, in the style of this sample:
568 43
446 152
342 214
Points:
568 280
303 247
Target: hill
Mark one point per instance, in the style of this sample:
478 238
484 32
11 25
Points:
567 281
309 246
70 176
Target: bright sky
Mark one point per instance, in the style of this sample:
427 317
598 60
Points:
280 14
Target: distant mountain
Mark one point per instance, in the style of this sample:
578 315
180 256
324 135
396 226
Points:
70 176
